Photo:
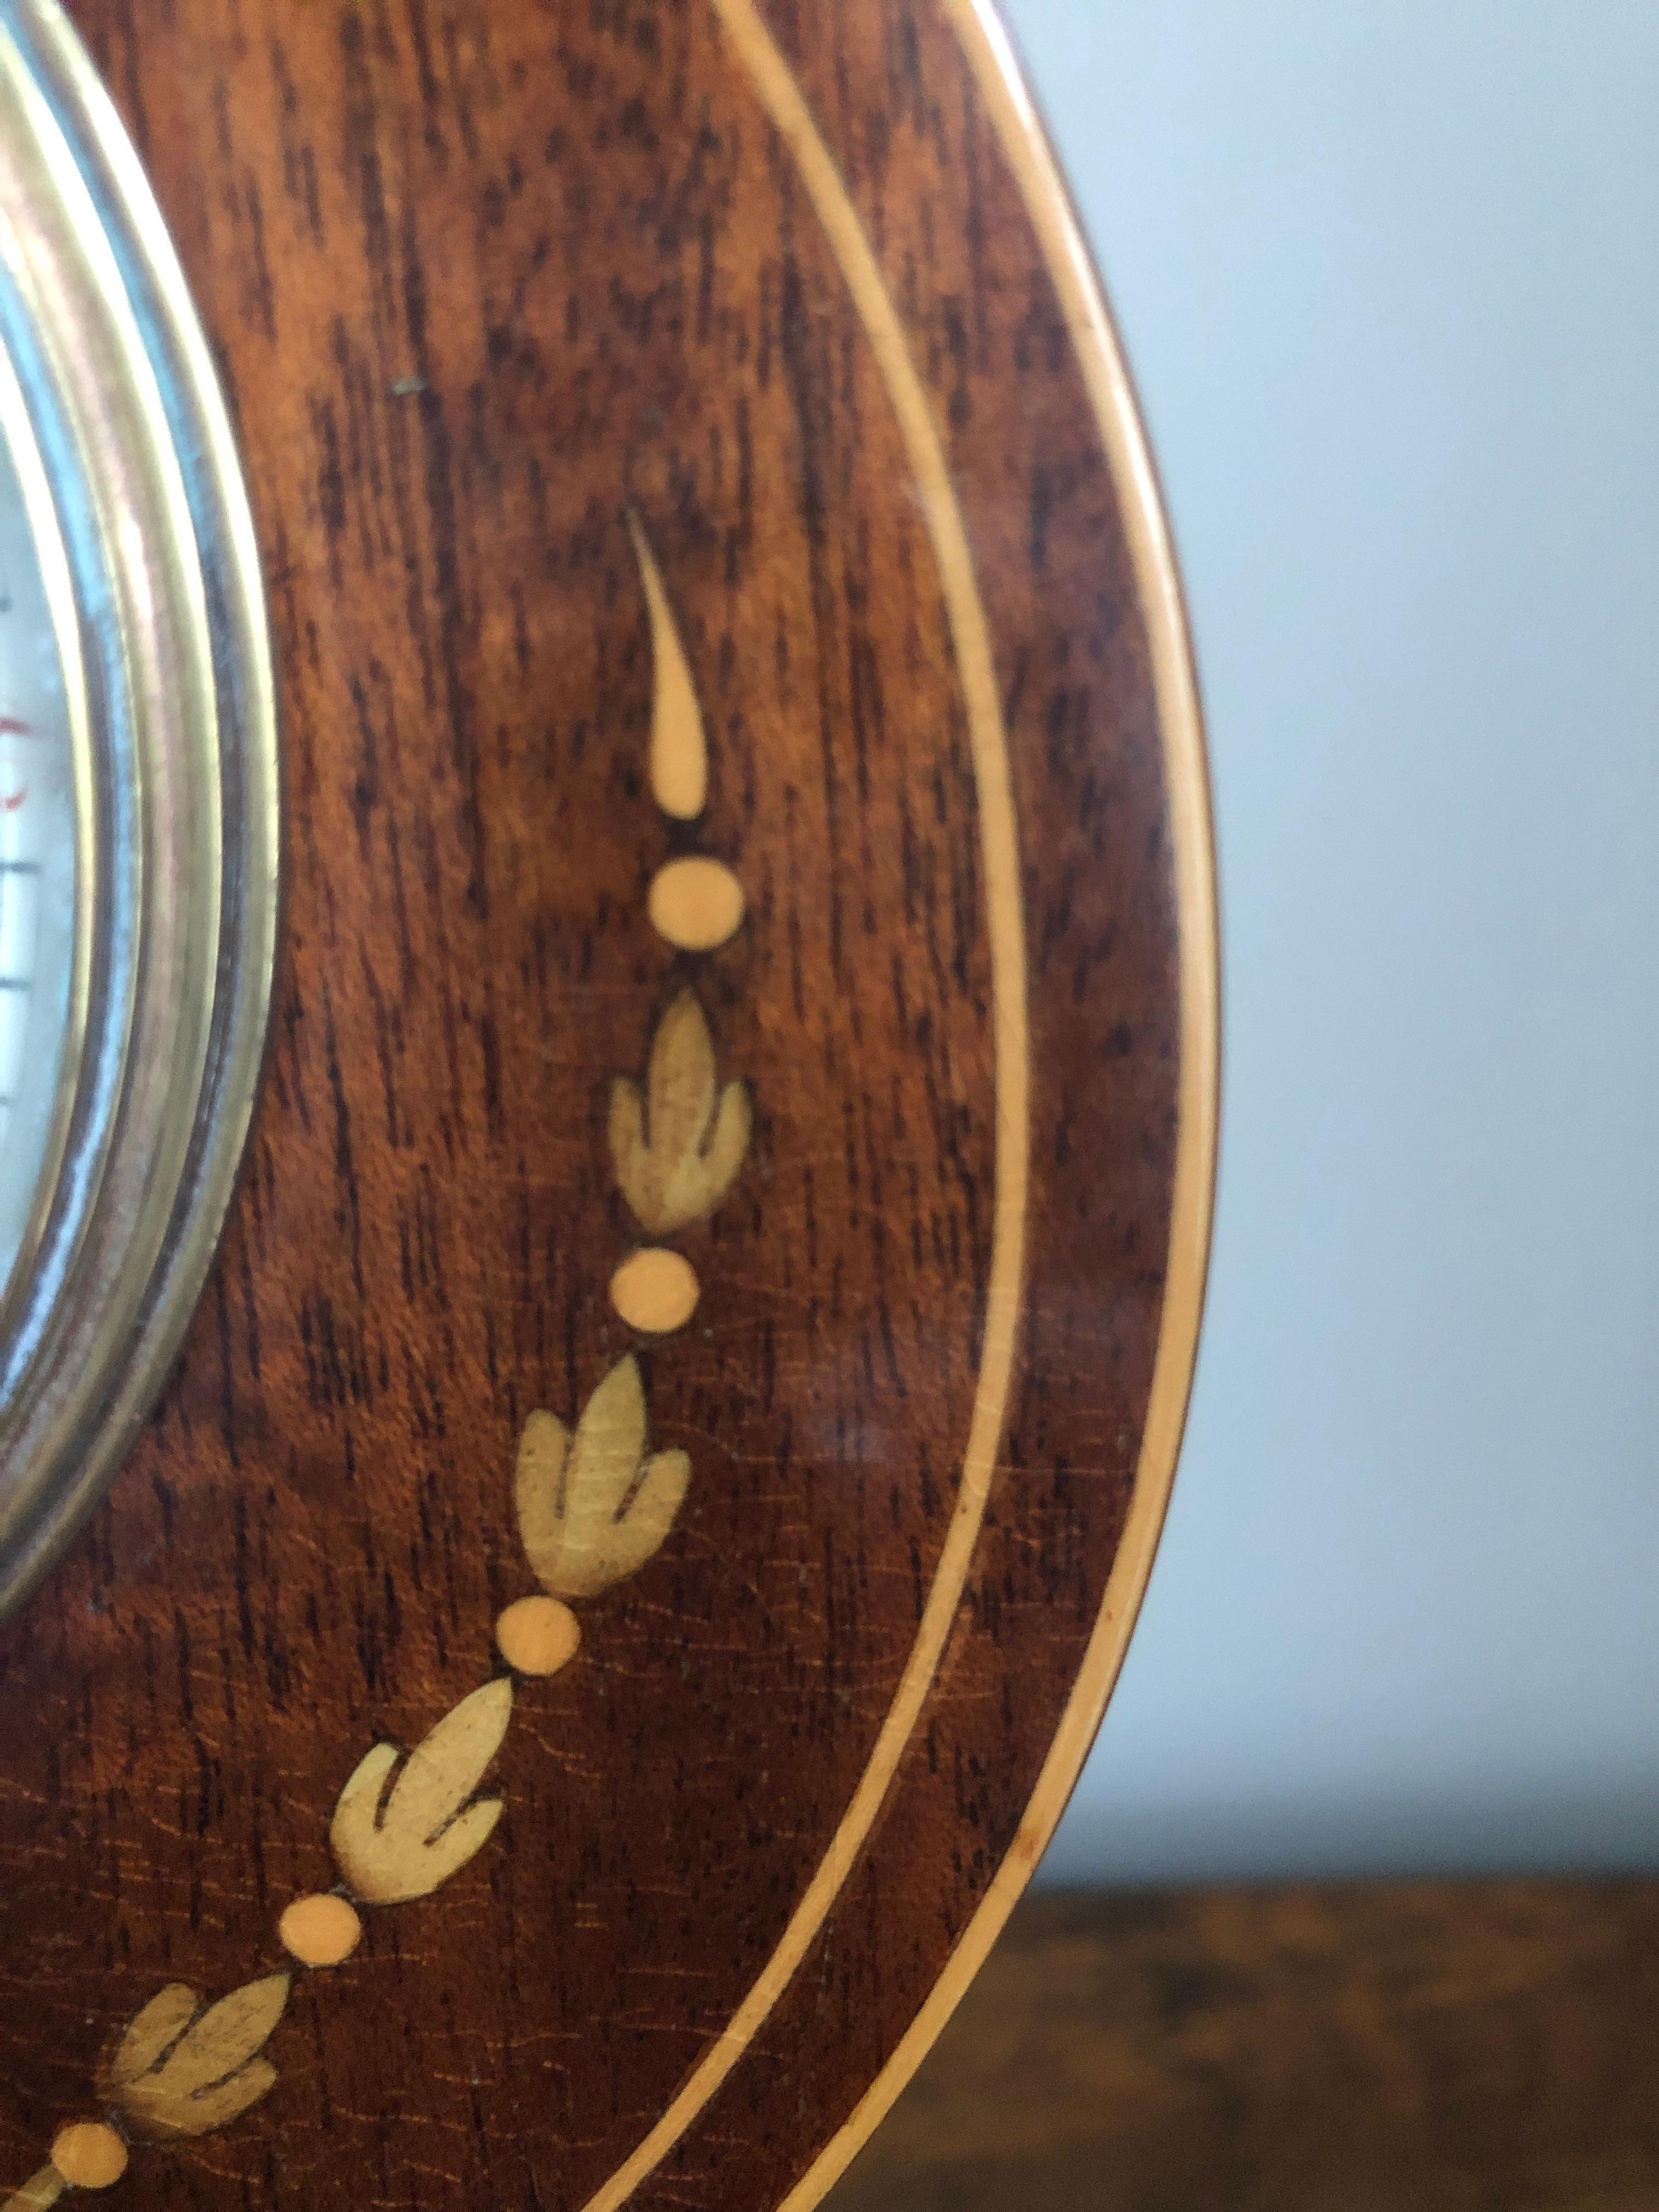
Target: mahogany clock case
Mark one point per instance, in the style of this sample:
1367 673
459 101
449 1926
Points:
604 1618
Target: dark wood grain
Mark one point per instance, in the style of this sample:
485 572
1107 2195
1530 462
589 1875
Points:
482 275
1429 2047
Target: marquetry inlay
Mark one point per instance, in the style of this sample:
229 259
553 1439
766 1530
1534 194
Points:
696 904
678 1142
595 1506
601 1625
679 749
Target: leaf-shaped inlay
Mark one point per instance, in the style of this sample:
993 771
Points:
178 2073
153 2032
593 1509
678 1145
393 1848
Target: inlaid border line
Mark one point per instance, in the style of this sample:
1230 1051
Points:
990 54
784 105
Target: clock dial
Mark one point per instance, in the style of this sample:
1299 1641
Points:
37 871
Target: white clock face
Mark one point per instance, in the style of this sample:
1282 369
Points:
37 871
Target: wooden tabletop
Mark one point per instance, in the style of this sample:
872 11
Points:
1429 2047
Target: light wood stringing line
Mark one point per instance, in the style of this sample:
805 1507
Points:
1020 130
781 99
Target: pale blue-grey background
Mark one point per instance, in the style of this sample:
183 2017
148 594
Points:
1389 278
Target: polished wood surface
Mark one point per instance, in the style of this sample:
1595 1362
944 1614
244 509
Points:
574 1659
1423 2047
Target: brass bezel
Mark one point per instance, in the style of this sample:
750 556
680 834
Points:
123 445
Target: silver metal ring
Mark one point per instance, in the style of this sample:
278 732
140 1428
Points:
121 440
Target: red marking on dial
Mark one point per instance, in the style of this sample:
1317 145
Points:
12 727
14 799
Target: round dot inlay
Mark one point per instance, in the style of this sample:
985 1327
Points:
538 1636
320 1931
697 904
655 1292
89 2155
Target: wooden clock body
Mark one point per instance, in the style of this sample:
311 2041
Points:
658 1488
